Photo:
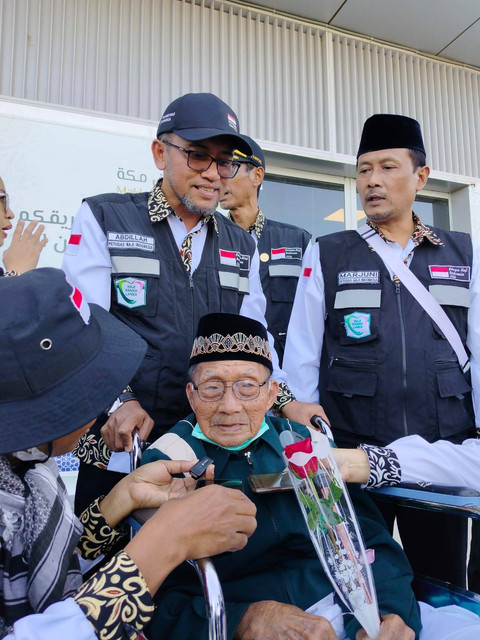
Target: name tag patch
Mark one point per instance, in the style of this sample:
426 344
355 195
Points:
117 240
235 259
357 324
131 292
450 272
358 277
289 253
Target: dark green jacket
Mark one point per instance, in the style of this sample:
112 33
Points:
279 562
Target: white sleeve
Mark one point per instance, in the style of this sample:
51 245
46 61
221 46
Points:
439 462
473 333
303 348
86 261
63 619
254 306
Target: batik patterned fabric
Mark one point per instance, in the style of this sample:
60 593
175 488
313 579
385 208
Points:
420 233
116 600
258 225
91 449
385 467
159 209
284 396
98 536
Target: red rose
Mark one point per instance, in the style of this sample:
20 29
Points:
301 459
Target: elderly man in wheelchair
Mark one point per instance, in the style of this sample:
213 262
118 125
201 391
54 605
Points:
275 588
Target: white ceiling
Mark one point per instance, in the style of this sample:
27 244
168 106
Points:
446 28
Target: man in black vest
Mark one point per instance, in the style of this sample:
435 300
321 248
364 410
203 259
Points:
359 341
280 246
159 261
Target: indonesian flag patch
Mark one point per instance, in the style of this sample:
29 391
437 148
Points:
235 259
450 272
289 253
73 244
80 304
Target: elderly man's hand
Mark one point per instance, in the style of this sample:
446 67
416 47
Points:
302 412
391 628
271 620
117 430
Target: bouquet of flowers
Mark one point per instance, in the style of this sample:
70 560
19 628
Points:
332 524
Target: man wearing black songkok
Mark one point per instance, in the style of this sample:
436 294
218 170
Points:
359 341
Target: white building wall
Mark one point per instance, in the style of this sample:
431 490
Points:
292 83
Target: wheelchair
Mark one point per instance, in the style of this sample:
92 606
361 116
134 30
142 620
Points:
458 501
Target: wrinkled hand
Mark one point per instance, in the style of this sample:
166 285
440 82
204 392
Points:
25 248
391 628
118 429
302 412
271 620
211 520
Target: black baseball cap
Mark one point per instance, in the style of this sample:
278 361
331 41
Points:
257 157
199 116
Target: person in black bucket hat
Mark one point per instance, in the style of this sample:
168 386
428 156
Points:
158 261
62 361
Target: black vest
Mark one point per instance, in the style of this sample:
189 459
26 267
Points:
284 246
386 369
153 294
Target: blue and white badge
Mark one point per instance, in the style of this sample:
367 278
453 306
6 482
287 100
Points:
357 324
131 292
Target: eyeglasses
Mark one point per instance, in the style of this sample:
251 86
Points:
214 390
6 199
199 161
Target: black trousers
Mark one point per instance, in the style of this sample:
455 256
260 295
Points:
435 543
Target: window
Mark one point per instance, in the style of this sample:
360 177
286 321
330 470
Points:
314 206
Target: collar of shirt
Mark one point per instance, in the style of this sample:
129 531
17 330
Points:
420 233
257 226
159 208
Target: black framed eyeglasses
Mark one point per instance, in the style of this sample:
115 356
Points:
200 161
5 198
214 390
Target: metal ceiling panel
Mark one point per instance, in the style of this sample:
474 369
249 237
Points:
320 11
466 47
421 25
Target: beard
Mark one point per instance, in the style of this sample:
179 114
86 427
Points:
188 203
185 200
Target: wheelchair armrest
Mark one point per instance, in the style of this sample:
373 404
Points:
456 500
440 594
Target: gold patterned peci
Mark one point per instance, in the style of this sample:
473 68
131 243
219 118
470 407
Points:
239 342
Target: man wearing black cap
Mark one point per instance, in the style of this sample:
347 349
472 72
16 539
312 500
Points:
362 343
161 260
280 246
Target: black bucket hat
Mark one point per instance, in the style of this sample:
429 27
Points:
62 361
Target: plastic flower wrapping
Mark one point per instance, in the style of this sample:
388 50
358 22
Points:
333 526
